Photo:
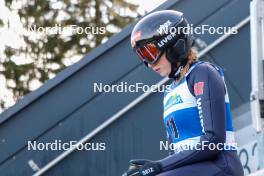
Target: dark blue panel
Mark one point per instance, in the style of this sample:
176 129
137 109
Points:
66 108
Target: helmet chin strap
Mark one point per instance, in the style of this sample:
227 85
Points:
176 70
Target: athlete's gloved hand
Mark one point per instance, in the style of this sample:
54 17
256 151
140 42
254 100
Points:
133 169
144 168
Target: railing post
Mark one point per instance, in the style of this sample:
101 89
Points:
257 84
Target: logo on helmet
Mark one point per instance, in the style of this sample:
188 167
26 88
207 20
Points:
135 38
164 27
166 40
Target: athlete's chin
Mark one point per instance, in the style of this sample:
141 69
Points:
163 74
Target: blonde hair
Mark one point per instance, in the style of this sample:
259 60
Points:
192 55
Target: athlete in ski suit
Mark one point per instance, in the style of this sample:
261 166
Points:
197 113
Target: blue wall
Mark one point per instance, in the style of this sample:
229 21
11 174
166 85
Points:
66 108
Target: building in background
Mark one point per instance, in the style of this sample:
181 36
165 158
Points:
67 108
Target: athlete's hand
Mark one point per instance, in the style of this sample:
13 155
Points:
144 168
133 170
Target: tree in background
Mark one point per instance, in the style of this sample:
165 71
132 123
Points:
45 54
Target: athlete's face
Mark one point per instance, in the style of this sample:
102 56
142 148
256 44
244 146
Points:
162 67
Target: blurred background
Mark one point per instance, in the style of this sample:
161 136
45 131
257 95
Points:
29 58
47 79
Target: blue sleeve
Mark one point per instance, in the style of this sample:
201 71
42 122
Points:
210 98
